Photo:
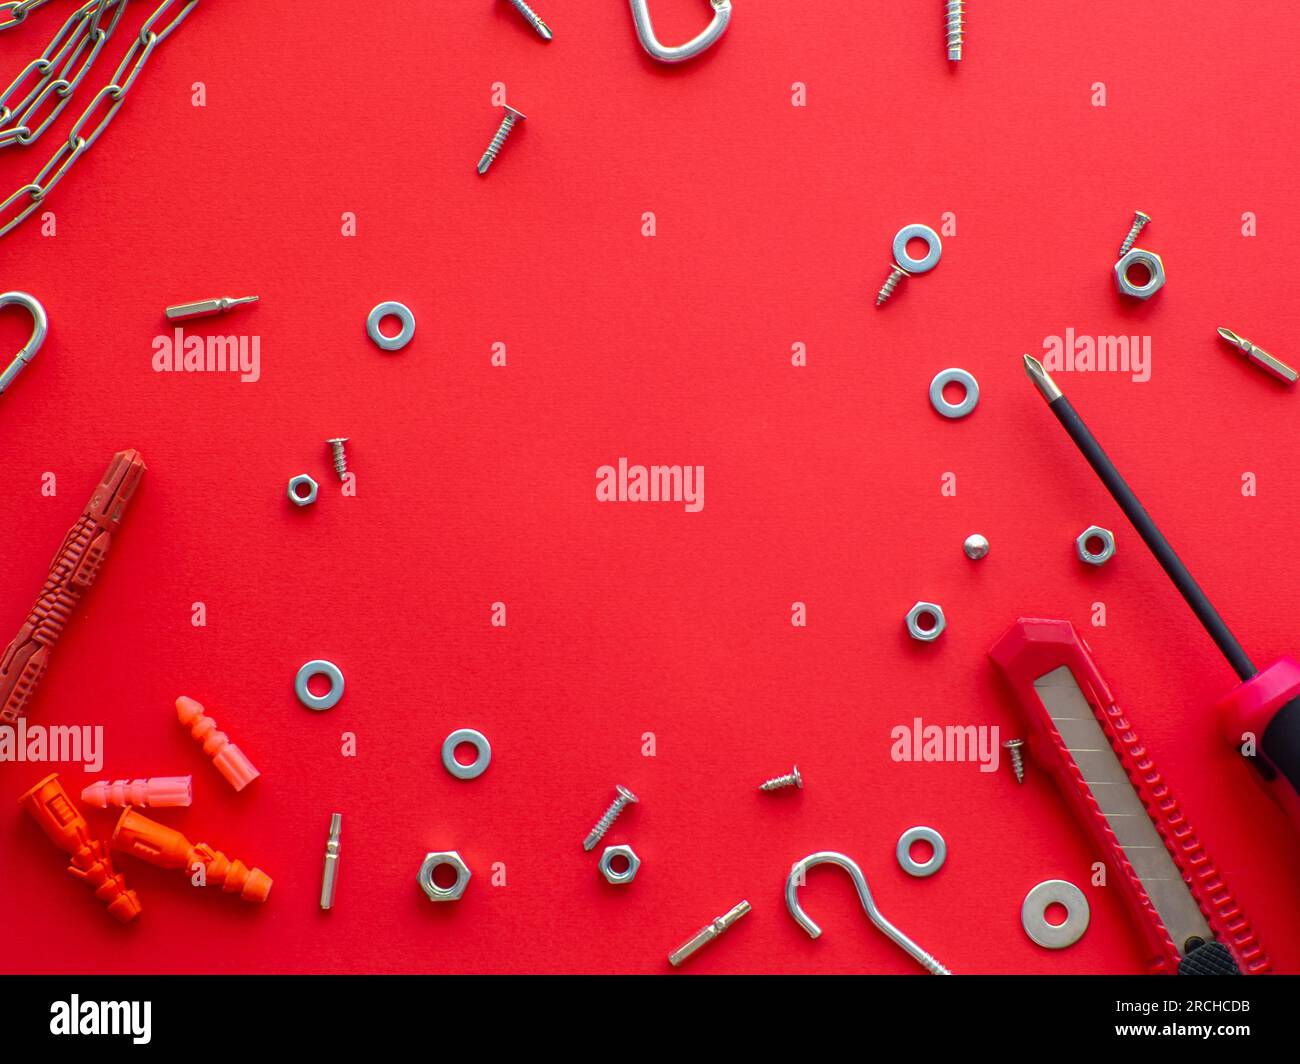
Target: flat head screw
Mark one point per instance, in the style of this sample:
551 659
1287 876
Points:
1012 747
1139 220
503 131
533 19
611 814
340 455
790 779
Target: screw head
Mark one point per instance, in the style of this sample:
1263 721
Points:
798 779
337 439
1139 216
519 115
1013 744
976 546
626 793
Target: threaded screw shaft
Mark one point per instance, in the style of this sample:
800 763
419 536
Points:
611 814
543 30
503 132
896 274
790 779
1139 220
1012 747
956 18
340 455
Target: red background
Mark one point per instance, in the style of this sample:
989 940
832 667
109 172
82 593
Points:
476 484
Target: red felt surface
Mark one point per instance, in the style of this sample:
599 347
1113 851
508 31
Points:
476 484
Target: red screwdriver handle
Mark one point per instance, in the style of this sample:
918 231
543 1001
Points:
1261 718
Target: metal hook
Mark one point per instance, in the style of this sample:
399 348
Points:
796 878
39 326
693 47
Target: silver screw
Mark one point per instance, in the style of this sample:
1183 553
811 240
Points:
543 30
611 814
1012 746
1139 220
896 274
503 131
975 546
776 783
956 18
340 456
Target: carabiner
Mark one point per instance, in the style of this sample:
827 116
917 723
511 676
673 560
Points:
645 32
39 326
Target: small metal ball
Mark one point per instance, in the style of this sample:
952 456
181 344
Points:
976 546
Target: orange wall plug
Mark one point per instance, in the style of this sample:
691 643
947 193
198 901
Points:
165 847
52 807
228 758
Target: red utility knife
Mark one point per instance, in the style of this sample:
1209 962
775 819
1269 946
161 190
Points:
1189 919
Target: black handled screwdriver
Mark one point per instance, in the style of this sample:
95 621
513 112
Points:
1261 715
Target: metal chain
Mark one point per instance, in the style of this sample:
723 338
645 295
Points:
53 66
15 12
80 40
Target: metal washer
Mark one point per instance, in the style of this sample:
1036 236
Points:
480 763
910 865
917 232
1033 914
403 314
319 668
954 376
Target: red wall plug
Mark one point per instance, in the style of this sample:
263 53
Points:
165 847
52 807
228 758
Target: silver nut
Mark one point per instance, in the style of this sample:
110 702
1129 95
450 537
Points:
300 498
921 615
606 865
433 861
976 546
1138 257
1104 536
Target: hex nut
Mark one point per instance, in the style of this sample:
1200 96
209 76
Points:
925 609
1139 257
619 878
432 861
1102 556
302 500
976 546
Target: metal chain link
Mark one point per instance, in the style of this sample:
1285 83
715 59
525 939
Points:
79 41
15 12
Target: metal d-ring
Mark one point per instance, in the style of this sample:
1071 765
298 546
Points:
646 34
796 878
40 324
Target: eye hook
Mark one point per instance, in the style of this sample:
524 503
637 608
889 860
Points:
796 879
646 34
29 349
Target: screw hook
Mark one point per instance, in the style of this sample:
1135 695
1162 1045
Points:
796 877
40 324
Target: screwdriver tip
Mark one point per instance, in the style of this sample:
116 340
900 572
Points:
1230 336
1042 381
